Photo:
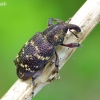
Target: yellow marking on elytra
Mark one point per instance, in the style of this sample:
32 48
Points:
22 65
28 69
30 55
31 58
17 60
26 66
36 66
23 52
44 36
36 47
46 58
27 56
23 49
41 57
32 43
31 70
26 43
56 36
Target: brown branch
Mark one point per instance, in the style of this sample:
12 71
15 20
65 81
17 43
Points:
87 18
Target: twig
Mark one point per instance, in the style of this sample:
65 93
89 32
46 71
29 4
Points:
87 18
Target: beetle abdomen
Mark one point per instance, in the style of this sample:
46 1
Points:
33 56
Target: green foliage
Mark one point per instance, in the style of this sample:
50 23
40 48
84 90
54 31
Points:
20 20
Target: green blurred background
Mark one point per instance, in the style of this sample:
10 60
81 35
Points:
19 20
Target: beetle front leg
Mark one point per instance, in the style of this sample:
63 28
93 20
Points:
50 21
35 75
71 45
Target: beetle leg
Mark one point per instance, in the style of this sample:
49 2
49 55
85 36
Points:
50 21
71 45
33 78
56 61
35 75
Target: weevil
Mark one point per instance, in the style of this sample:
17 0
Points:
36 53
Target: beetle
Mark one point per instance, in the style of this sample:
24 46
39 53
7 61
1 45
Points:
36 53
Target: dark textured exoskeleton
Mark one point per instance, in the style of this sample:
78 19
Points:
39 49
